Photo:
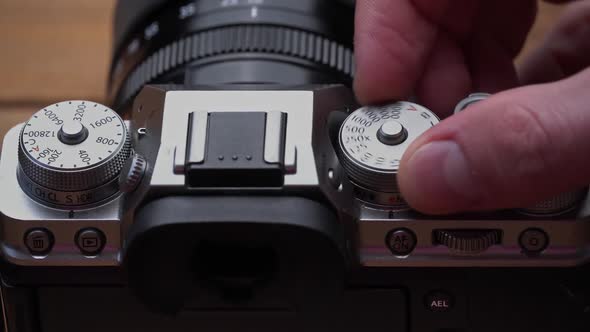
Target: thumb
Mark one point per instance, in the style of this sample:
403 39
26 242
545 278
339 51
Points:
511 150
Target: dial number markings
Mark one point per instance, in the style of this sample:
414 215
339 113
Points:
41 135
359 133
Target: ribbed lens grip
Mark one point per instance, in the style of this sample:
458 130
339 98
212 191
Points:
299 44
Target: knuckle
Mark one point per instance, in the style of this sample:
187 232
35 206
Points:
577 12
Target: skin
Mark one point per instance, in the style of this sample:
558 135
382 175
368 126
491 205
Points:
527 142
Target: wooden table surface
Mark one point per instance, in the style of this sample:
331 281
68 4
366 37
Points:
58 50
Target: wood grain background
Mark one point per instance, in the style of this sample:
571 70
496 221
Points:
59 49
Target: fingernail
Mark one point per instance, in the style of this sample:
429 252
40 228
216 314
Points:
442 176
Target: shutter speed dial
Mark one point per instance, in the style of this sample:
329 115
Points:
71 153
372 142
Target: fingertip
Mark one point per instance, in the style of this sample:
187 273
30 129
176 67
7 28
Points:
512 150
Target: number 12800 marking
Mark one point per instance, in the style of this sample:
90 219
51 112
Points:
40 133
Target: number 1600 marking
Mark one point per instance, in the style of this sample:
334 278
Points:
101 122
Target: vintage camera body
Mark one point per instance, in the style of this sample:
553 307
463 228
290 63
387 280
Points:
191 239
239 186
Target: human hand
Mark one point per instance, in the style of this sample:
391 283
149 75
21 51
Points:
511 150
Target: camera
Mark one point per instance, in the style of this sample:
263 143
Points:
234 183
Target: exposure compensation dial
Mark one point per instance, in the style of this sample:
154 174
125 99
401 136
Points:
552 206
71 154
372 142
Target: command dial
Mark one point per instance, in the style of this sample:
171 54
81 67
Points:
71 153
467 241
373 140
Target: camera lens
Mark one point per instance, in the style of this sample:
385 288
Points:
228 42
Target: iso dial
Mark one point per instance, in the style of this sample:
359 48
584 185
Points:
71 153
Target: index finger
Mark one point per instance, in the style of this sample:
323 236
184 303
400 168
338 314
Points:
392 43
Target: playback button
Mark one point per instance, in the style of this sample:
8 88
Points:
90 241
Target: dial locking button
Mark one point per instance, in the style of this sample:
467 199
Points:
72 133
392 133
469 241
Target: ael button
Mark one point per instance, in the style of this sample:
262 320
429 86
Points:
439 301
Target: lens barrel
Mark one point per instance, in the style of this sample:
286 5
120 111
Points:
228 42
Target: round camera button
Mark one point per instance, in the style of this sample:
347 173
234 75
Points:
401 241
39 241
533 241
90 241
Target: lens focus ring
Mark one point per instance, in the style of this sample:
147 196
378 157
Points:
295 43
